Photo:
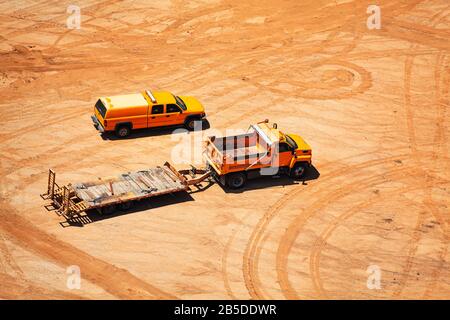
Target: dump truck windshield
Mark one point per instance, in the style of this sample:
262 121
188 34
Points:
180 102
101 108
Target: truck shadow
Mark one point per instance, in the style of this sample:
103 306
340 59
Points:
92 216
276 181
152 132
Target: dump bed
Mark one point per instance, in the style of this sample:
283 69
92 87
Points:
236 153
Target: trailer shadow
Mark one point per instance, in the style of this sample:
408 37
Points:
92 216
276 181
152 132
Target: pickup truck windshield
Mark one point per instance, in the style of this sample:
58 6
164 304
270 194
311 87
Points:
291 142
180 102
100 108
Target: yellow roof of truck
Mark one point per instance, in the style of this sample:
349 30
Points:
138 99
164 97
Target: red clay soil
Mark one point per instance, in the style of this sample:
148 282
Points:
373 104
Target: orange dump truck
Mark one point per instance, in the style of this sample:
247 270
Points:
263 150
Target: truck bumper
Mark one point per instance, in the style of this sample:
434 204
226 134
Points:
97 124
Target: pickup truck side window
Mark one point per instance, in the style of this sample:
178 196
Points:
157 109
284 147
170 108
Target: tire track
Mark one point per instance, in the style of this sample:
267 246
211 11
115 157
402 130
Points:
416 236
297 225
12 288
116 281
321 242
440 139
224 266
9 259
250 263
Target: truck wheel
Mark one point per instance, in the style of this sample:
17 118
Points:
298 170
236 180
190 123
123 131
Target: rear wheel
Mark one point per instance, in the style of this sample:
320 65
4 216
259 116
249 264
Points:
236 180
298 171
123 131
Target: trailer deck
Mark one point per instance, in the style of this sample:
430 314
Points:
104 193
129 186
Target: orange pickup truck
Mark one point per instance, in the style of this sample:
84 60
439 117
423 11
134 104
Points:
262 151
122 114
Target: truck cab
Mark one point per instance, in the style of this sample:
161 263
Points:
263 150
124 113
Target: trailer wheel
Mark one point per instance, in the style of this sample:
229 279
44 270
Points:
125 205
108 210
298 170
236 180
123 131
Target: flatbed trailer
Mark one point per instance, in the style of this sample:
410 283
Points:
105 194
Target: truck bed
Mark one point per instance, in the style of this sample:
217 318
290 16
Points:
234 153
129 186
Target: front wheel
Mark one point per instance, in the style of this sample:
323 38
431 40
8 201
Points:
236 180
298 171
190 123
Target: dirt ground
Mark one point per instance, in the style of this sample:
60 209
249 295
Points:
373 104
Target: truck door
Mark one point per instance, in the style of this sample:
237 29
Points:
156 116
283 159
173 115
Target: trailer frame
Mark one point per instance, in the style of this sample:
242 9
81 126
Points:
72 200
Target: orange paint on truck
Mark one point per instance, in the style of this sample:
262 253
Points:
124 113
263 150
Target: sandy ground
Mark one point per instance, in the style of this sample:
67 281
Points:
373 104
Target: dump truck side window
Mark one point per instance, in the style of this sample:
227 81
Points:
158 109
284 147
100 108
170 108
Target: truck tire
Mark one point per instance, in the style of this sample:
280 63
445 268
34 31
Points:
236 180
298 170
190 123
123 131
